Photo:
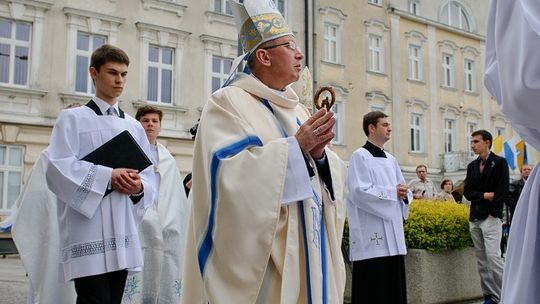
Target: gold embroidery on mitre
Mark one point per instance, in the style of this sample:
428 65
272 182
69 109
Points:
261 28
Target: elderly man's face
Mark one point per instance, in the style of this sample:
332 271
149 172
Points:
286 58
526 171
421 172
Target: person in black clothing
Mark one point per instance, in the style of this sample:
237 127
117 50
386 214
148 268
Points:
516 187
188 179
486 186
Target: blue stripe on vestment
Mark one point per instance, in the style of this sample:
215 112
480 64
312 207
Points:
306 251
323 258
207 243
322 227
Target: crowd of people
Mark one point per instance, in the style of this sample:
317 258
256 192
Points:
264 217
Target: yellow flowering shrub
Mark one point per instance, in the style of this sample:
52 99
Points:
437 226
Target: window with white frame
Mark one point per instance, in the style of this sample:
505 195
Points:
414 7
447 70
416 127
221 67
471 127
86 44
378 2
375 53
454 14
11 172
338 126
332 43
223 7
160 74
470 75
415 62
15 38
449 135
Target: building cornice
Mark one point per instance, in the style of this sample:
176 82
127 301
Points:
450 109
45 5
416 34
342 90
406 15
470 49
212 17
69 11
167 6
148 26
499 117
12 91
472 113
375 22
448 43
332 10
219 40
413 101
378 94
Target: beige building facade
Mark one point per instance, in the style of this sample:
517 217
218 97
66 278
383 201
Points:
180 51
421 62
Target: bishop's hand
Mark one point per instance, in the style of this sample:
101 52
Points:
316 132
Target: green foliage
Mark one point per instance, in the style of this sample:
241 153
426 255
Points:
437 226
434 226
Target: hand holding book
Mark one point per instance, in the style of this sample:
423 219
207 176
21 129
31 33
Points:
126 181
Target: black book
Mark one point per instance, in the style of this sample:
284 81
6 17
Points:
122 151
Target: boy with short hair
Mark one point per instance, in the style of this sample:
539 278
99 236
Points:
99 207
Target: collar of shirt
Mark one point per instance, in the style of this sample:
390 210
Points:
375 150
487 157
279 92
104 106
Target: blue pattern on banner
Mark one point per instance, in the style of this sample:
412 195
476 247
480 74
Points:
509 155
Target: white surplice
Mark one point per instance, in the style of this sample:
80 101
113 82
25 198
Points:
512 77
35 232
375 212
162 234
98 234
246 243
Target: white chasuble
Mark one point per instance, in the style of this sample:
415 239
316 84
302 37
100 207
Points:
244 245
35 232
162 233
98 233
375 212
512 77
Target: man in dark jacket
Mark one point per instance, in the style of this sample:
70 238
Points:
486 186
516 187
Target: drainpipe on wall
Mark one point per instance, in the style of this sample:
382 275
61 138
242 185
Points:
314 45
306 31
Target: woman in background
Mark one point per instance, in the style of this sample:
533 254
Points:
446 194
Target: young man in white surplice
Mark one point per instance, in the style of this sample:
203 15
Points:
99 207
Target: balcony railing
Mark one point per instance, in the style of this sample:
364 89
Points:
455 161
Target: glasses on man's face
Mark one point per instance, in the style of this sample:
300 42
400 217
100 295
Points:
290 44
